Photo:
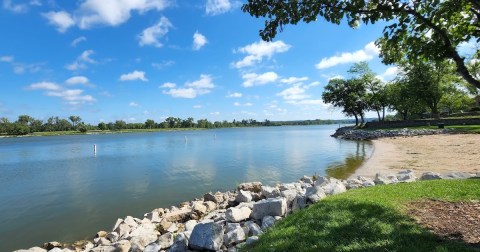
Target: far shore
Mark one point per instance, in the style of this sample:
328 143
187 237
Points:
432 153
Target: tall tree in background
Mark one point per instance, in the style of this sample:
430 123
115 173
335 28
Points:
421 29
75 120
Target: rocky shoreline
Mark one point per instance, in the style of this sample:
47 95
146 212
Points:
226 221
350 133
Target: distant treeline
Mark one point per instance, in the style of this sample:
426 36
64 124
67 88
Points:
26 124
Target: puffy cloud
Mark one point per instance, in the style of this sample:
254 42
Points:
162 65
296 92
238 104
168 85
81 61
44 86
308 102
78 40
259 50
16 8
216 7
133 76
367 53
192 89
198 41
6 59
113 12
133 104
216 113
197 106
70 96
253 79
153 34
234 95
389 73
77 80
61 20
293 80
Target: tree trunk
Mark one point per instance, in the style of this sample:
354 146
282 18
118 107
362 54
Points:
356 119
362 117
379 118
383 114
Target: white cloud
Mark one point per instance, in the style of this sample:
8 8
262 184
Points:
78 40
367 53
238 104
216 113
17 8
192 89
77 80
314 84
253 79
44 86
6 59
308 102
133 104
259 50
113 12
153 34
61 20
234 95
168 85
81 61
163 64
215 7
293 80
197 106
296 92
389 73
198 41
133 76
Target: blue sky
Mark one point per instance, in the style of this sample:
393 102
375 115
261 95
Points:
132 60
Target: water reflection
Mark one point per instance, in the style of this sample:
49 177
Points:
346 168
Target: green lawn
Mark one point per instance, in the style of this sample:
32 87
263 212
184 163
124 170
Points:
370 219
459 128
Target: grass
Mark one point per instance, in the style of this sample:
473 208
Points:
370 219
459 128
74 132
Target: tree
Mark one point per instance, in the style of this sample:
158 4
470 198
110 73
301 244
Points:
120 124
75 121
421 29
102 126
149 124
4 125
403 99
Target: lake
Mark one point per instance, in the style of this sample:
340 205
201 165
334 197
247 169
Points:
56 188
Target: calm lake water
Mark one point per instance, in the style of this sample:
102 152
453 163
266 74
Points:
55 188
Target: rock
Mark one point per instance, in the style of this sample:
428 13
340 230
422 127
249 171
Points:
231 226
287 186
216 198
234 236
273 207
51 245
104 249
34 249
101 234
267 222
129 220
142 236
251 187
406 176
117 223
315 194
216 215
243 196
456 175
256 196
122 246
321 181
153 216
189 225
206 236
123 230
198 210
237 214
178 215
112 236
102 241
290 195
430 176
251 240
333 186
353 184
384 180
300 202
152 247
270 192
180 244
165 241
163 226
82 245
210 205
253 228
144 229
307 179
246 204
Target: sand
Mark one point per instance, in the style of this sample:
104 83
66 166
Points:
436 153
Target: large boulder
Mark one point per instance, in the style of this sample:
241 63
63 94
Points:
243 196
216 198
165 241
270 192
237 214
251 240
272 207
234 236
189 225
307 179
122 246
153 216
52 244
180 244
206 236
251 187
299 202
130 221
152 247
267 222
457 175
290 195
430 176
34 249
123 230
385 180
143 235
332 186
315 194
253 228
406 176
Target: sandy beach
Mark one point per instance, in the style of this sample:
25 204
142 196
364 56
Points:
437 153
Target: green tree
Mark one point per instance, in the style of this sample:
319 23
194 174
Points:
149 124
403 99
102 126
120 124
4 125
75 120
422 29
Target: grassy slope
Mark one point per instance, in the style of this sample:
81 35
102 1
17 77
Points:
370 219
459 128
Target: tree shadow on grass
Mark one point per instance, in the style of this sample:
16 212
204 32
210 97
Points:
346 225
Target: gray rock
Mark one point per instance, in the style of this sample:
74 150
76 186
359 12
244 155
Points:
268 221
237 214
51 245
206 236
307 179
353 184
385 180
56 250
210 205
180 244
212 197
112 236
129 220
198 210
251 240
321 181
243 196
299 202
104 249
406 176
153 216
34 249
123 230
189 225
253 228
290 195
138 243
272 207
232 226
234 236
287 186
251 187
152 247
165 241
122 246
456 175
315 194
333 186
430 176
117 223
270 192
102 241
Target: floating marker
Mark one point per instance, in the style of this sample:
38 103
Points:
95 149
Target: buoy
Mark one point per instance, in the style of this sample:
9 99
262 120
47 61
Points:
185 139
94 149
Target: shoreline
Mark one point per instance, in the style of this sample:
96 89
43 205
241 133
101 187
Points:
434 153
